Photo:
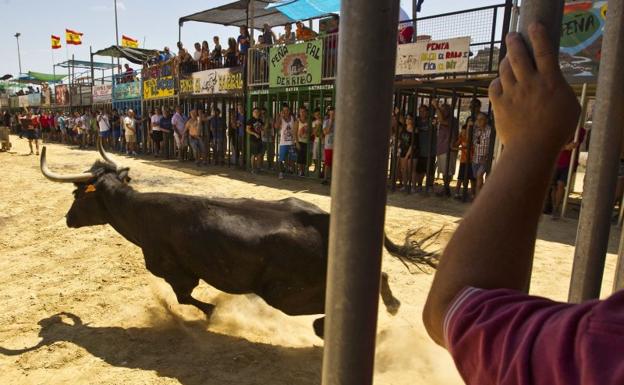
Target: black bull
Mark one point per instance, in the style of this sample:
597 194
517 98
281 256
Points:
274 249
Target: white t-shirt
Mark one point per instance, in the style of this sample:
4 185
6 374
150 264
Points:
287 134
329 138
103 123
130 124
156 122
197 55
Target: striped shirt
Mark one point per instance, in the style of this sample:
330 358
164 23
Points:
481 145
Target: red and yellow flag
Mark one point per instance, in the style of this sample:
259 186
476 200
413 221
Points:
56 42
129 42
73 37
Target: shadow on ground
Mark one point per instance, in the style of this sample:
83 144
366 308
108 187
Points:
183 350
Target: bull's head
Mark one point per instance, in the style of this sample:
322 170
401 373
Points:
88 208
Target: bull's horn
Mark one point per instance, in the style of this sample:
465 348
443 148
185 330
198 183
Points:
104 155
54 177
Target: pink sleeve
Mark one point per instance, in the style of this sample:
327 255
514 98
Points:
507 337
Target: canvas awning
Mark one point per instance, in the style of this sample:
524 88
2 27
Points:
134 55
40 78
236 14
306 9
83 64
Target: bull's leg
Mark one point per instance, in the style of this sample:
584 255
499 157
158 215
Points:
319 327
183 285
392 304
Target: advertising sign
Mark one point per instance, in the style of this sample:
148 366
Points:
296 64
210 82
125 91
159 81
581 37
102 93
433 57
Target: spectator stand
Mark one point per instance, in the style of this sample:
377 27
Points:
80 82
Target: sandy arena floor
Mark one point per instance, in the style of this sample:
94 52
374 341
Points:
123 325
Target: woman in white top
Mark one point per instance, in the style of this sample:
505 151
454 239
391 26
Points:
157 134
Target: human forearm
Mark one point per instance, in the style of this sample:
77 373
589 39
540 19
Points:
489 250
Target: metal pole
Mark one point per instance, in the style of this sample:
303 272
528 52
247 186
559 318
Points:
549 13
92 70
358 188
415 18
569 188
602 163
618 282
117 36
252 15
19 56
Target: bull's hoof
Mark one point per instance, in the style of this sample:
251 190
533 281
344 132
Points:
393 306
319 327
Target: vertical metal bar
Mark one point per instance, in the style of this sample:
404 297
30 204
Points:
358 188
492 39
549 13
618 281
572 168
602 163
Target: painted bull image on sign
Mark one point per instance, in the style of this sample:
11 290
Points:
274 249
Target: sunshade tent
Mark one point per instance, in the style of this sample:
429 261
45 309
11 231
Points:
134 55
238 14
82 64
40 78
306 9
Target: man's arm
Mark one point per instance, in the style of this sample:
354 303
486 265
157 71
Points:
536 111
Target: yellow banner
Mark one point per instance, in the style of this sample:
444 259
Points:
159 87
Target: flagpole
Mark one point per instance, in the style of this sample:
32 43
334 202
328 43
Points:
117 36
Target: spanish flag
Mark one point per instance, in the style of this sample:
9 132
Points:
73 37
129 42
56 42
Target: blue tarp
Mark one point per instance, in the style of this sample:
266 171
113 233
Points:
306 9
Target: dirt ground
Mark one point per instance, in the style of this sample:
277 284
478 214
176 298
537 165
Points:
94 315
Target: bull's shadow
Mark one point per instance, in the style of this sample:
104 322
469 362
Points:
186 351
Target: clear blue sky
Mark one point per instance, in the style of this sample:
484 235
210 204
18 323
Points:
156 21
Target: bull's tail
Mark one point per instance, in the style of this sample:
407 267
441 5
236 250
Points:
412 252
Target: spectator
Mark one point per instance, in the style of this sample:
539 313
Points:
317 131
62 125
302 138
447 135
329 128
285 124
426 149
129 78
79 129
232 135
254 129
205 60
179 132
166 127
198 52
561 174
244 42
165 55
216 54
157 134
240 133
465 170
116 126
231 54
104 125
304 33
185 60
288 37
406 151
475 107
481 150
268 139
478 306
195 141
130 128
334 24
93 128
217 127
406 33
268 35
29 125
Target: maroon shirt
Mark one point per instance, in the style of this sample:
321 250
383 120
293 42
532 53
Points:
510 338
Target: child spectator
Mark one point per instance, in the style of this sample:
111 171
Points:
481 150
268 35
231 54
254 129
216 54
406 150
465 173
244 42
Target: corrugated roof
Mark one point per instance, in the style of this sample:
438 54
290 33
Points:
235 14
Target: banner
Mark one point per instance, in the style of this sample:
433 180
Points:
46 92
581 37
102 93
125 91
61 95
158 81
210 82
295 64
80 95
433 57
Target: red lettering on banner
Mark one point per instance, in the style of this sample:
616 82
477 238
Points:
437 46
